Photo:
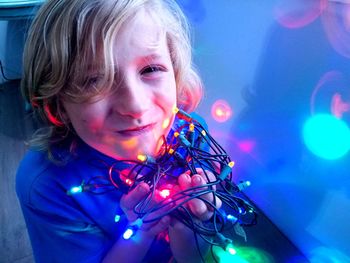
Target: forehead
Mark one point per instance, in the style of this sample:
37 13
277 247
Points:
143 33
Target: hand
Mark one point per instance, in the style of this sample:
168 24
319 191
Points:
200 208
130 200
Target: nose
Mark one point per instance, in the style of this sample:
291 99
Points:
133 98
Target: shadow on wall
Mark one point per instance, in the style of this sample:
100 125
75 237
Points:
307 197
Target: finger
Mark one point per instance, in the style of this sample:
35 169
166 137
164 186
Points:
197 181
210 197
177 196
198 207
184 181
208 176
130 200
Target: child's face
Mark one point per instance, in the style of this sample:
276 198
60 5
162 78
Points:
133 119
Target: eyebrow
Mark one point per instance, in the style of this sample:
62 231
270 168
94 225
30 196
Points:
144 58
149 57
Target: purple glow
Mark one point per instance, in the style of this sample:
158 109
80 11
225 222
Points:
298 13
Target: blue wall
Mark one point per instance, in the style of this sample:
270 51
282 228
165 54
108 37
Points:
277 64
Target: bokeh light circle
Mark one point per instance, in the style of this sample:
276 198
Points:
298 13
221 111
326 136
336 21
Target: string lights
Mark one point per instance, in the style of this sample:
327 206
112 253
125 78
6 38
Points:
189 149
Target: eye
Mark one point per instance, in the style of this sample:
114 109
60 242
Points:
93 81
152 69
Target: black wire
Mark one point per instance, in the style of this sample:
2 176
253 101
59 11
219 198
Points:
205 154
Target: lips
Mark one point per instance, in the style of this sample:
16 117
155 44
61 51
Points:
135 131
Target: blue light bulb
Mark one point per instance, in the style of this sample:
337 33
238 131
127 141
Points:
128 233
75 190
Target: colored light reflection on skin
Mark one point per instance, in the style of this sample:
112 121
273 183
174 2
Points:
326 136
336 22
221 111
166 123
129 144
298 13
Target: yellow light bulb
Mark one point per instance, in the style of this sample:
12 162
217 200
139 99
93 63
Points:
141 157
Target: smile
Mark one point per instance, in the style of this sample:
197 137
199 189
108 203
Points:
135 131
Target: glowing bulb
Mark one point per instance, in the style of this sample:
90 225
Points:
128 233
128 181
231 164
231 217
132 228
230 249
226 170
175 110
75 190
145 158
164 193
191 127
171 151
117 218
242 185
141 157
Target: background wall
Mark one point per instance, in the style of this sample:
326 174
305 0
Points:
3 33
277 64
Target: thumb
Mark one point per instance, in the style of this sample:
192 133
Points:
130 200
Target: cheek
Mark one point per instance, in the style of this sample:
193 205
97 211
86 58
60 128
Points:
168 98
85 119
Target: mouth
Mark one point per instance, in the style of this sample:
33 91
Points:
136 131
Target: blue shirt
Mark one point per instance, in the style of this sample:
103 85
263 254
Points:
74 228
71 228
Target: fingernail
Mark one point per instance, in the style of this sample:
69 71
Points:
197 179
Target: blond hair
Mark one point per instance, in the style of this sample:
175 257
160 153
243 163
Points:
67 37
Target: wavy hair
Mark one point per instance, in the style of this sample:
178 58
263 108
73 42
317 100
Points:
68 37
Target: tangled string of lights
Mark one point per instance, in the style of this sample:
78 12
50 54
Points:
188 148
